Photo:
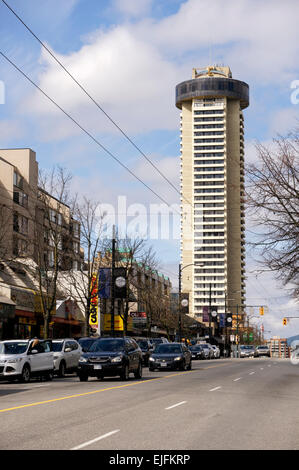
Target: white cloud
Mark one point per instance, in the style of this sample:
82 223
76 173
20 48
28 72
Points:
133 8
285 120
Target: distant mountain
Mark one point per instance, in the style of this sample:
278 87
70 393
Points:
291 339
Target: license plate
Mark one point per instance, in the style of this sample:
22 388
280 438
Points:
97 366
163 364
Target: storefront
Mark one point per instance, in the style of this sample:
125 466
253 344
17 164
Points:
7 318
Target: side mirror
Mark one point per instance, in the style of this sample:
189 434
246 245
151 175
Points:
67 350
34 351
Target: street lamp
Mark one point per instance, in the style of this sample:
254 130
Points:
180 292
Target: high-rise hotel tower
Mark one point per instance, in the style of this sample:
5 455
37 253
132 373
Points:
212 189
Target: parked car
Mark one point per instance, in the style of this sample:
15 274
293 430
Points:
262 350
156 341
22 359
246 351
85 343
111 357
67 353
208 351
146 347
216 351
171 356
197 351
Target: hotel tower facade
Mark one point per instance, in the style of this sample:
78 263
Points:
212 190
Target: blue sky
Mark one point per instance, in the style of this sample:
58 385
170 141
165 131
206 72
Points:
130 54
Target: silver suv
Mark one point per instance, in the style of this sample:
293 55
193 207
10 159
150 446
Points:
21 359
67 353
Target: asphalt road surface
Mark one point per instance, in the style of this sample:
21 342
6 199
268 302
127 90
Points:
225 404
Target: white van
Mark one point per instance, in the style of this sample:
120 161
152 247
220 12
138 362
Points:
22 359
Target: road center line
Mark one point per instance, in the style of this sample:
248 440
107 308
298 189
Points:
251 373
177 404
237 379
213 389
88 443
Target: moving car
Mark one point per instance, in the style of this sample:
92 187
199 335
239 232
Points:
216 351
146 347
86 342
22 359
111 357
208 351
197 351
262 350
171 356
246 351
67 353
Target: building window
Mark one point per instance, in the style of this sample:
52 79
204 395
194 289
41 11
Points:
18 180
20 198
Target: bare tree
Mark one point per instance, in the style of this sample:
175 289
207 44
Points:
273 202
79 283
52 247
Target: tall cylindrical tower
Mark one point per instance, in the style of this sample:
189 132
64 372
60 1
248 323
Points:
212 189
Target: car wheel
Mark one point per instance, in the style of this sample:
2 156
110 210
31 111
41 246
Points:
125 373
138 373
25 377
83 377
151 369
61 372
49 375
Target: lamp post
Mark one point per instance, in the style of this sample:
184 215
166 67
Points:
180 291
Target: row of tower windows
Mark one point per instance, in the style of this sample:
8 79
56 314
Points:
209 111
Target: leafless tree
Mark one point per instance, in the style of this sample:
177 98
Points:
273 203
51 237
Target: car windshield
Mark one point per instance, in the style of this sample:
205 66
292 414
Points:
157 340
107 345
86 343
16 347
262 347
204 346
142 343
195 348
168 349
57 346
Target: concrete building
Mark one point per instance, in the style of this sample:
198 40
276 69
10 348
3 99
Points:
212 190
35 228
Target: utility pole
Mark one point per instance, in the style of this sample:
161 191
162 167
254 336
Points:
210 311
112 284
180 312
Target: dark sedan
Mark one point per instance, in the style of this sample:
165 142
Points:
170 356
111 357
197 352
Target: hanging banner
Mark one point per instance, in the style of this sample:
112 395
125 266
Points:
222 320
93 311
205 314
104 283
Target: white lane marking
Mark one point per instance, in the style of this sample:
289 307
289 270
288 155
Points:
237 379
269 366
88 443
262 368
213 389
177 404
252 373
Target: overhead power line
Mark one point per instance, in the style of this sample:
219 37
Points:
84 130
94 101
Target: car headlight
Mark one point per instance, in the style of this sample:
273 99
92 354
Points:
152 359
117 359
11 361
177 358
82 359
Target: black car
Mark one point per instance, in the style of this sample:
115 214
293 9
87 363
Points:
146 347
170 356
85 343
197 351
111 357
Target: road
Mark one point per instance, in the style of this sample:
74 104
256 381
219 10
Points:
225 404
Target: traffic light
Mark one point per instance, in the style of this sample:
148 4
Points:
261 310
284 321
